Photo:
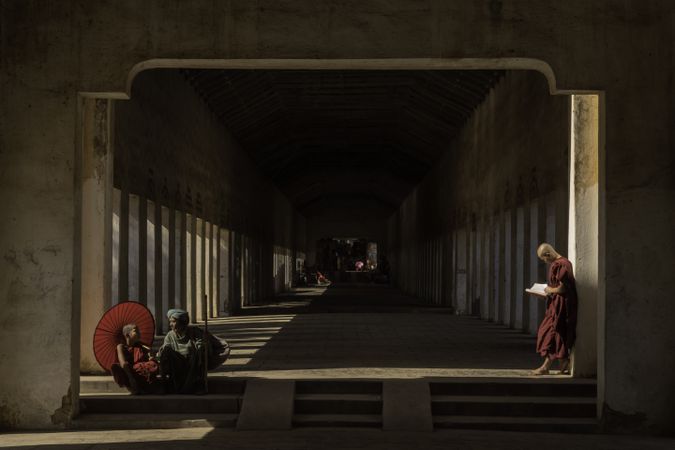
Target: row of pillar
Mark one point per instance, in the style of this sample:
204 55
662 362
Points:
167 258
140 249
483 267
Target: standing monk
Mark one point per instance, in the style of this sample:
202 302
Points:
557 331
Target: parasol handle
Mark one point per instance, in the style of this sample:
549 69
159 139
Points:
206 343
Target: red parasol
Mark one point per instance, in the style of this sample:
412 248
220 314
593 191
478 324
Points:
108 332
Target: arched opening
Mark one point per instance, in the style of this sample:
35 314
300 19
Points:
477 264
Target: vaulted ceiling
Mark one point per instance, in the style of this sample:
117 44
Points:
331 137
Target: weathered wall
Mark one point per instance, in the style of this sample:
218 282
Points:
53 50
168 143
461 234
171 149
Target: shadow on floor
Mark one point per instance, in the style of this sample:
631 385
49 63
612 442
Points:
367 327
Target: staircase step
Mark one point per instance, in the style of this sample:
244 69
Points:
338 404
159 404
475 405
337 420
512 399
106 384
337 387
153 421
526 387
513 406
532 424
340 397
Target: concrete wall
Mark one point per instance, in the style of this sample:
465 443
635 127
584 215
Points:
466 236
51 51
172 150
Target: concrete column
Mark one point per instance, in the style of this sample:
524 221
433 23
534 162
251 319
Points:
429 271
244 270
519 291
224 271
123 271
502 297
166 273
550 208
215 272
527 258
180 266
475 269
115 269
497 269
96 245
536 304
584 227
439 272
199 270
462 269
172 288
190 262
148 265
485 269
206 277
133 253
235 272
143 251
510 269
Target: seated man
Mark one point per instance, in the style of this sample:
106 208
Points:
135 370
181 355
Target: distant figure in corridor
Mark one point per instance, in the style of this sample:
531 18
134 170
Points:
557 332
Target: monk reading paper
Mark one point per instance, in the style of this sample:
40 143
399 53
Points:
557 331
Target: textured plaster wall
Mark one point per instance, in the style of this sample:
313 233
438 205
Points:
168 143
169 146
512 150
515 142
53 50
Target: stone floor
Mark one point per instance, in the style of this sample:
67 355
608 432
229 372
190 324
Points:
208 438
367 332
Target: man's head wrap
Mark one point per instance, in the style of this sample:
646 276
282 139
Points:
180 315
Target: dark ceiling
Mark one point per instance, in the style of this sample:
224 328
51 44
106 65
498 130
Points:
330 138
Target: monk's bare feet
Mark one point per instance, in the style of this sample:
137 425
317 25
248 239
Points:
565 366
543 369
539 371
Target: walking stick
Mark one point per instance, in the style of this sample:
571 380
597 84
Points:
207 342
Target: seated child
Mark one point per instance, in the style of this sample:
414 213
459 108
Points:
136 370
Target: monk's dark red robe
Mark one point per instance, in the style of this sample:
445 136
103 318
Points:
557 331
143 368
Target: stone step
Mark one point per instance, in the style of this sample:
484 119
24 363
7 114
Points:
519 406
158 405
508 387
354 404
338 420
338 387
153 421
530 424
106 384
